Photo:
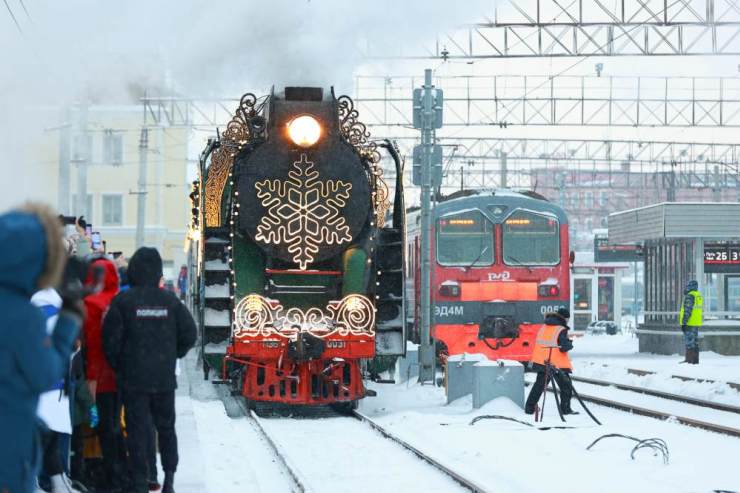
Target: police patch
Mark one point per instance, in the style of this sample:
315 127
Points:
155 312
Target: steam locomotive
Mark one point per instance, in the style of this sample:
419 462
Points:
299 281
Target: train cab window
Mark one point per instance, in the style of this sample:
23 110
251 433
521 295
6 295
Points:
465 239
531 239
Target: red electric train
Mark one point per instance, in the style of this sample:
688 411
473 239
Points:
500 261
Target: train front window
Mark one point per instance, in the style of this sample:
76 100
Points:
465 240
531 239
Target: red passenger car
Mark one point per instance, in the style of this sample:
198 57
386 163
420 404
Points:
500 261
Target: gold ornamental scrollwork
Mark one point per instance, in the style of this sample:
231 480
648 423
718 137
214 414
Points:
357 134
256 316
234 137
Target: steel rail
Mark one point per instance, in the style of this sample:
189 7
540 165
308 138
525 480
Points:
295 477
455 476
630 408
663 395
643 373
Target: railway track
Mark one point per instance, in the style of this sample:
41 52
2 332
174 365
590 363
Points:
663 395
295 463
642 373
625 405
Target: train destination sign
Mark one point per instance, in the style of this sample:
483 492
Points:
604 252
721 258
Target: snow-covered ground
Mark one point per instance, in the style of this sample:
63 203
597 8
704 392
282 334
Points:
608 358
511 457
223 454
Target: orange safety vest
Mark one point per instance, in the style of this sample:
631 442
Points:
546 347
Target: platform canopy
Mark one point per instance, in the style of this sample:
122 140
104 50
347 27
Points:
720 220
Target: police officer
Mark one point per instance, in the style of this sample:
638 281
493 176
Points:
552 346
690 319
145 331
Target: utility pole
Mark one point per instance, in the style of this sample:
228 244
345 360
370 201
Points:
427 118
65 137
81 158
141 199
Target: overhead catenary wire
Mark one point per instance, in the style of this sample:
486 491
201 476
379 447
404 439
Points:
23 6
12 15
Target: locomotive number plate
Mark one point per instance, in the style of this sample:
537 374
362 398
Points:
336 344
271 344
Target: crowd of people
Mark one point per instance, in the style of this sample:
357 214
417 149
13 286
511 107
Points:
88 358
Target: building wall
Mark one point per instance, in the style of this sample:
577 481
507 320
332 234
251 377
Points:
589 197
113 137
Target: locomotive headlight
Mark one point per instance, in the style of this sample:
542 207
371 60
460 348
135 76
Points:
304 130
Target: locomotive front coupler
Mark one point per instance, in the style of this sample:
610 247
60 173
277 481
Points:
306 347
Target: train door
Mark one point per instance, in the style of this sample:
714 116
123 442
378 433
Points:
584 300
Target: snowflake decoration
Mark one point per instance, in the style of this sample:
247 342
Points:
303 212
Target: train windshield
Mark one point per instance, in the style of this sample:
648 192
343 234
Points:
531 239
465 239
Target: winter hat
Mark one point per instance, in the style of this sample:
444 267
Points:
563 312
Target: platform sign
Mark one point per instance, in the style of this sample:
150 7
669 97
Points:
605 252
723 258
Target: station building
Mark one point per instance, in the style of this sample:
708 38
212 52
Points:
683 241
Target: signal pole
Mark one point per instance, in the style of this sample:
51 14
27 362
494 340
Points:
141 199
428 156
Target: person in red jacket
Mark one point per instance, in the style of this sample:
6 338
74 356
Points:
100 376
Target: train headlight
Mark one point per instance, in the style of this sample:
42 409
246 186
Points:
304 130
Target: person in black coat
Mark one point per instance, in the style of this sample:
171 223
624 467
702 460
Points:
145 331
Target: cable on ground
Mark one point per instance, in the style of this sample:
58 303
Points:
657 445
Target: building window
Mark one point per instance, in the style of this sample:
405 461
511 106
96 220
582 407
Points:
112 210
588 200
603 198
112 147
574 200
589 225
82 147
88 212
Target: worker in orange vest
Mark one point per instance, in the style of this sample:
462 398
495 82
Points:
552 346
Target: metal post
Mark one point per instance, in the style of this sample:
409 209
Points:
82 159
65 138
141 199
636 292
504 170
426 351
699 264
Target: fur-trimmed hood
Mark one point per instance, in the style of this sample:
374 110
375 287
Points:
33 255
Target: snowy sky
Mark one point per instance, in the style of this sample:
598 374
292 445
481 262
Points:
110 50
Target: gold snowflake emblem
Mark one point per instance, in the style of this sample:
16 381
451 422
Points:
303 212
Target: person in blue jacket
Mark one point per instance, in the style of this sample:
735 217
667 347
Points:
32 257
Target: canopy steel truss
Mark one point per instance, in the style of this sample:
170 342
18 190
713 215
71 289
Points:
506 100
483 162
556 28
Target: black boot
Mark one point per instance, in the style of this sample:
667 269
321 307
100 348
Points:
169 482
566 409
694 357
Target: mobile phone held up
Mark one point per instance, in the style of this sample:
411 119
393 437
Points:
96 241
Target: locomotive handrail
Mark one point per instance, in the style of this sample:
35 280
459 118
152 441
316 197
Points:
304 272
